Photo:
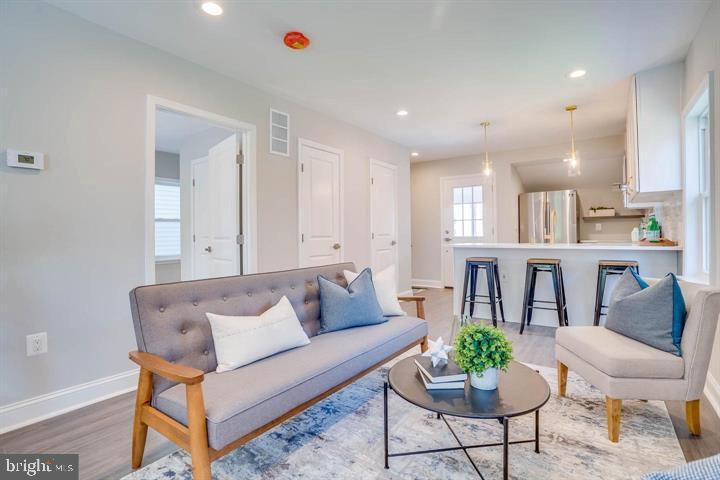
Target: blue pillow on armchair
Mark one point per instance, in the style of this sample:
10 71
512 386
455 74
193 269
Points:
651 314
342 308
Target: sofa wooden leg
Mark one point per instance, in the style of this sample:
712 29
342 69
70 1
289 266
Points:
562 372
198 433
424 344
692 416
142 398
613 408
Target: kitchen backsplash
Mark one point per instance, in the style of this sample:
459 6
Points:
669 214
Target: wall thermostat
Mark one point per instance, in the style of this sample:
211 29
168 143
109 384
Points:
21 159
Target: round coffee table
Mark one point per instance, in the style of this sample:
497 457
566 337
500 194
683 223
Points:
521 390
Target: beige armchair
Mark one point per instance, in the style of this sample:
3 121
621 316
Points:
624 369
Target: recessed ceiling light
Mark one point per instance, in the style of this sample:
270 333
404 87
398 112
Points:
401 113
414 154
212 8
577 73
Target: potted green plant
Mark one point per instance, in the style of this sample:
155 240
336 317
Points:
482 351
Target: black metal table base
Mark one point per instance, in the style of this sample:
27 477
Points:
505 443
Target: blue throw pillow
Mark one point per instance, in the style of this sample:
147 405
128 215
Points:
654 315
355 306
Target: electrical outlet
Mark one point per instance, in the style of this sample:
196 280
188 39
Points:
598 227
36 344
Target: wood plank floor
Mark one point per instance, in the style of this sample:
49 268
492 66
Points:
100 433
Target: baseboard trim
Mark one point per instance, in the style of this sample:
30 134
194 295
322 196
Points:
32 410
712 392
419 282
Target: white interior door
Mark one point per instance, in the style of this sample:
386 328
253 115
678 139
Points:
467 216
383 215
201 219
319 205
215 212
224 207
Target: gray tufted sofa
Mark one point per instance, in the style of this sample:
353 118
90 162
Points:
209 414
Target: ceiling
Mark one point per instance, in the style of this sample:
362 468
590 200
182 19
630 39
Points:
172 129
552 174
451 64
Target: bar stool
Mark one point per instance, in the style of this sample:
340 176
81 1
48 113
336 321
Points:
492 275
551 265
605 268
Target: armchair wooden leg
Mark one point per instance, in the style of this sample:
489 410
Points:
142 397
692 416
198 433
562 372
613 407
424 344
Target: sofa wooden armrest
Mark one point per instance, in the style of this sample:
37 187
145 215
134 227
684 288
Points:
418 301
171 371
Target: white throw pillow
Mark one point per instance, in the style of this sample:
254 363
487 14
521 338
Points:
385 290
240 340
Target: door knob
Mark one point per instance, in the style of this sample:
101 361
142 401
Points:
393 242
447 239
208 249
336 246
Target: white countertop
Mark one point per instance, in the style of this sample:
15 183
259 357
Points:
564 246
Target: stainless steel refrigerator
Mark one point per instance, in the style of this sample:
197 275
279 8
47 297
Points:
548 217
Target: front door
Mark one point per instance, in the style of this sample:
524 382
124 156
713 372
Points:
320 213
467 216
383 215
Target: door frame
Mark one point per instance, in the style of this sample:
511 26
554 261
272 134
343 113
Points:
193 162
247 139
393 167
443 183
341 155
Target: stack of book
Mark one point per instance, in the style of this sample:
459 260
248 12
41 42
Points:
445 376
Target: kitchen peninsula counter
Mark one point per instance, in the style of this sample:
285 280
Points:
579 262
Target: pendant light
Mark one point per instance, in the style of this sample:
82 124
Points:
573 160
487 166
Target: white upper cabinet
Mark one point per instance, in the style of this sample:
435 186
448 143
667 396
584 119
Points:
652 157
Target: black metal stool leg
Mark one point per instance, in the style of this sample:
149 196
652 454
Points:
564 298
598 298
531 299
473 287
465 287
490 275
525 299
602 280
496 271
558 302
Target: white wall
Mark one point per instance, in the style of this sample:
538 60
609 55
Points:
69 257
704 56
426 176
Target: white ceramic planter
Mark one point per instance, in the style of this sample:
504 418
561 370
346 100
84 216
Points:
488 380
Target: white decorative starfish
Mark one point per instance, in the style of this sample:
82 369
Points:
437 351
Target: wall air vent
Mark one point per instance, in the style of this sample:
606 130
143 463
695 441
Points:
279 133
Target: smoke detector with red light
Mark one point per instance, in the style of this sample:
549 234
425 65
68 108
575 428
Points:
296 40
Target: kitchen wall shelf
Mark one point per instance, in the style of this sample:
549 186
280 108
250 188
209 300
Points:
613 217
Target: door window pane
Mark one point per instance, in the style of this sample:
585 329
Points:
468 228
477 194
457 212
467 211
478 228
457 195
458 228
467 194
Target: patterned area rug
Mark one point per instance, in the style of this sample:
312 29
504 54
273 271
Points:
341 438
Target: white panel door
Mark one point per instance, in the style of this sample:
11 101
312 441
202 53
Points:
467 216
319 204
224 208
383 215
201 267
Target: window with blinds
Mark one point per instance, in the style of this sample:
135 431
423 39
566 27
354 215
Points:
167 219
